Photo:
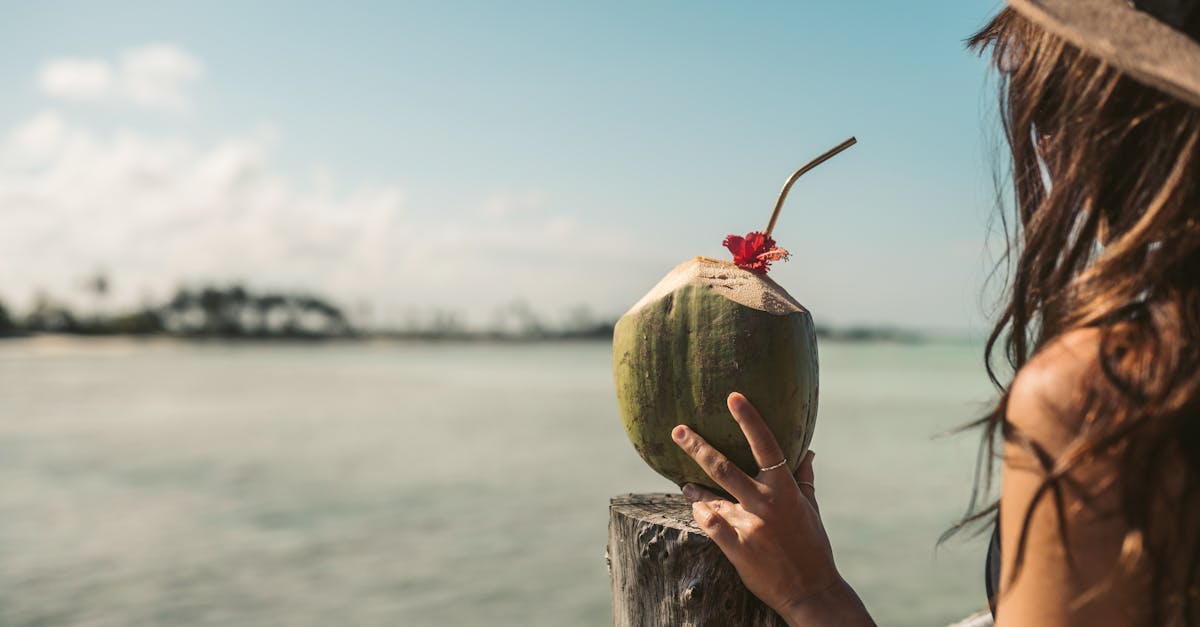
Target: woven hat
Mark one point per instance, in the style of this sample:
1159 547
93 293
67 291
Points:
1154 41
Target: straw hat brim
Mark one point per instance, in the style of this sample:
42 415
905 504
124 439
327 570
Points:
1132 41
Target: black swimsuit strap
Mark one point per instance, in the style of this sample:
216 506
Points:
991 573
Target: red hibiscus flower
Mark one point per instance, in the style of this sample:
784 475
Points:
755 252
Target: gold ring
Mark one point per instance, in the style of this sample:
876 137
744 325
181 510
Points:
774 466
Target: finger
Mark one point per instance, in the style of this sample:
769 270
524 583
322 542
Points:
806 478
715 465
693 493
732 513
762 442
714 525
727 509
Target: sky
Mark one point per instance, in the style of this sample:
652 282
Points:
405 158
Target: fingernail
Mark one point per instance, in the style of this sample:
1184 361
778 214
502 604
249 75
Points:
679 433
691 493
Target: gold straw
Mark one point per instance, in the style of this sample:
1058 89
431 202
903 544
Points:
798 173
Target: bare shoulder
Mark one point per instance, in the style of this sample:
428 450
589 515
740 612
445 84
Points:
1047 396
1060 525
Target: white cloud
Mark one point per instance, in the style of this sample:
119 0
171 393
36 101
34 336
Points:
79 79
37 139
157 210
157 76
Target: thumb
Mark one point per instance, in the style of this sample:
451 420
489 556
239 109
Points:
805 478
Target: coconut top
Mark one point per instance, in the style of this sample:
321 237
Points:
740 286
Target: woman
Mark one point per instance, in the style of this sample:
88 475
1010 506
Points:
1099 511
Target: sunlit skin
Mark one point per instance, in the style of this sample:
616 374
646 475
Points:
774 537
773 534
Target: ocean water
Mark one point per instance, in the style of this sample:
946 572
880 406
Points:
166 483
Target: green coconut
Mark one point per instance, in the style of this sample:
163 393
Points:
708 329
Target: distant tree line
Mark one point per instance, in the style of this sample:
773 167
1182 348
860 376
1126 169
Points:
238 312
7 326
213 311
869 334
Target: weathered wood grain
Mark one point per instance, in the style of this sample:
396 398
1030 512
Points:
666 572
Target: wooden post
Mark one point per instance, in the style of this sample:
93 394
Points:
666 572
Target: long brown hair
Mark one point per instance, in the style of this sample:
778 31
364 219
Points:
1106 196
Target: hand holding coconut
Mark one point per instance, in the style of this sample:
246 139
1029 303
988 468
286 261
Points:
773 534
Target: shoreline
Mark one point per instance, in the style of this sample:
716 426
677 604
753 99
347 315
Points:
52 340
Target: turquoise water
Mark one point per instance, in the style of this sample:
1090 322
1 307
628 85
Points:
404 484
